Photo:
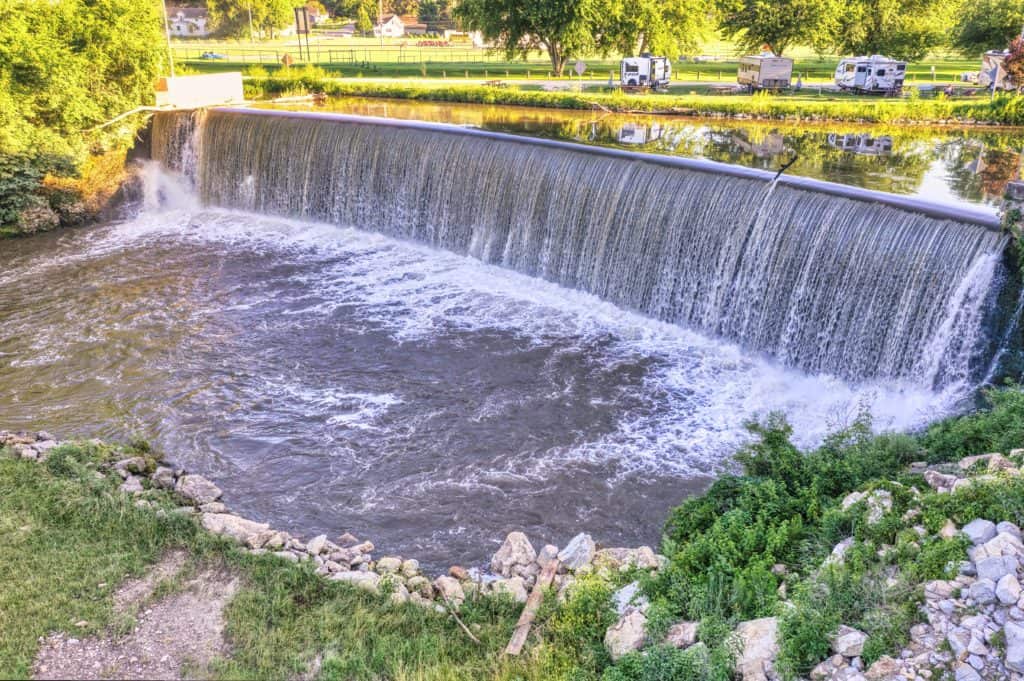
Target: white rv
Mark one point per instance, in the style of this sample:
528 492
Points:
645 71
993 71
633 133
765 71
865 145
871 74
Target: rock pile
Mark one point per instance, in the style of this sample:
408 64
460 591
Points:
514 567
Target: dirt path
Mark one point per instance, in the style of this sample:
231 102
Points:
174 637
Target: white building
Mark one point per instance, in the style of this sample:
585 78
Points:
188 22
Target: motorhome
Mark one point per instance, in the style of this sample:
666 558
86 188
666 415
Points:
874 74
993 71
645 71
765 71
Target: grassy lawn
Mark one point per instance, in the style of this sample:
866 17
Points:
70 538
405 58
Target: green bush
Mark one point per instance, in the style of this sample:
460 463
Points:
997 427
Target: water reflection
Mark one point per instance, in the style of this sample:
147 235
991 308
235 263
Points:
945 165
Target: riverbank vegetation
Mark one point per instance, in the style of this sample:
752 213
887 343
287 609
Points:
66 68
1001 110
761 543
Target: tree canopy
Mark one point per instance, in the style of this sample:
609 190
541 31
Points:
780 24
230 18
665 27
902 29
561 28
984 25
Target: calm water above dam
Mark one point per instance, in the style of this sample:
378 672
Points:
958 166
429 374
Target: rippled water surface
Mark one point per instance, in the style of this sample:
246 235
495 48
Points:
331 379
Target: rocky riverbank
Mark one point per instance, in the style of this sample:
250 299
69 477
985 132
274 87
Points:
969 625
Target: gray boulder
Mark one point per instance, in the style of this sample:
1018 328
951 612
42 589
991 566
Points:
368 581
996 567
682 634
578 552
1014 646
317 545
515 551
979 530
197 489
232 526
1008 589
758 647
983 591
626 635
629 598
849 642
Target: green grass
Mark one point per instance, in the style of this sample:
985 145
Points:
806 106
70 539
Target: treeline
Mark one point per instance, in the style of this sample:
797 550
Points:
905 29
66 67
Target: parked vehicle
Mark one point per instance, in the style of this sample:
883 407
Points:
645 72
765 71
874 74
864 144
993 71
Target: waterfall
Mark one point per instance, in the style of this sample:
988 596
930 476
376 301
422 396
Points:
822 280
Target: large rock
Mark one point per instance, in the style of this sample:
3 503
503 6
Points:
514 587
163 477
317 545
629 598
940 482
1014 646
682 634
369 581
1008 590
578 552
996 567
449 589
884 668
626 635
758 648
546 555
983 591
197 489
515 551
239 529
979 530
849 642
389 564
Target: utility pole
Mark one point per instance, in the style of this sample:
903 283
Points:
167 33
380 21
251 38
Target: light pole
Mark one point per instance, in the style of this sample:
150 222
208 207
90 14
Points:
251 38
167 33
380 21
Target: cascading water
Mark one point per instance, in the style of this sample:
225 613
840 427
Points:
825 283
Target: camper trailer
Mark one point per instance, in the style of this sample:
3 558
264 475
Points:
645 71
993 74
874 74
865 145
765 71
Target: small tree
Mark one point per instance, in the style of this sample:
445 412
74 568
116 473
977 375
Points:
1014 63
363 22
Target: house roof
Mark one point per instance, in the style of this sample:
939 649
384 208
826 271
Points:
188 12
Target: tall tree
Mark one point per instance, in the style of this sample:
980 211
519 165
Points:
230 18
364 24
664 27
984 25
904 29
562 28
435 11
777 23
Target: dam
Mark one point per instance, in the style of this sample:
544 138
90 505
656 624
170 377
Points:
430 335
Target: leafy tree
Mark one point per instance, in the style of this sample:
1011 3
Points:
562 28
230 18
669 27
403 7
903 29
435 11
363 22
984 25
778 23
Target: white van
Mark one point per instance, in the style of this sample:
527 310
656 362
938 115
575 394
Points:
875 74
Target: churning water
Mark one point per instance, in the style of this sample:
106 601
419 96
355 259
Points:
533 362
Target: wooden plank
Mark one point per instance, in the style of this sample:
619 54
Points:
522 630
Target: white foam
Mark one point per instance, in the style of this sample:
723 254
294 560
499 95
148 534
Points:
698 391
